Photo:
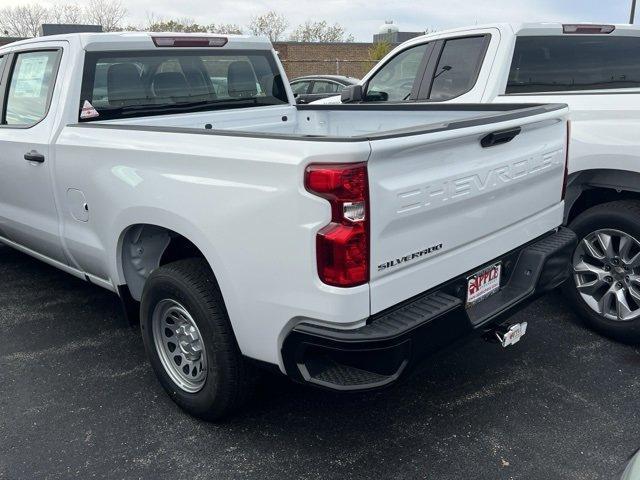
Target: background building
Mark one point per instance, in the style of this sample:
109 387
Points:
389 32
346 58
301 58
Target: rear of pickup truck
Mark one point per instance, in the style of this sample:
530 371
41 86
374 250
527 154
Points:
462 230
345 250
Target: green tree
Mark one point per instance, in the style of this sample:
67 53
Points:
378 51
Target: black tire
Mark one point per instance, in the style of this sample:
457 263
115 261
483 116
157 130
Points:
623 215
229 379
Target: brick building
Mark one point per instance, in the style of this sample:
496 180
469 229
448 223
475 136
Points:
301 58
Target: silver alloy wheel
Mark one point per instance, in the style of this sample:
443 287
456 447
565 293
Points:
606 266
179 345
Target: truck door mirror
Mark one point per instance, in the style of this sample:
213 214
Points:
352 93
376 97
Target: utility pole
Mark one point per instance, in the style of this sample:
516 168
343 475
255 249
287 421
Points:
633 11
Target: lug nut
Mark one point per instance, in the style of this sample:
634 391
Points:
608 279
619 285
615 261
607 268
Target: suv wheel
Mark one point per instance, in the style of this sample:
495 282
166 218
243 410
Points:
605 285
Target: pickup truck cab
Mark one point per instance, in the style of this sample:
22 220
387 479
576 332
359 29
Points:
595 69
336 244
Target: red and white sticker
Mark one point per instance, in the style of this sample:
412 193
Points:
484 283
88 111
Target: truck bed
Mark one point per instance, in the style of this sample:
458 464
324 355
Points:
349 122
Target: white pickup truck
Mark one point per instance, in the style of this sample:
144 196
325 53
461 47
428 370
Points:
595 69
337 244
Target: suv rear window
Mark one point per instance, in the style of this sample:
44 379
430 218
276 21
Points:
123 84
574 62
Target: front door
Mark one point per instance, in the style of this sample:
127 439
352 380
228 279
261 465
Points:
28 214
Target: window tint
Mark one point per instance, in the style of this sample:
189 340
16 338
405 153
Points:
30 86
320 87
458 67
118 84
394 81
1 68
557 63
300 87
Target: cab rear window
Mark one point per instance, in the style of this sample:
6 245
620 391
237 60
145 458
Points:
132 84
574 62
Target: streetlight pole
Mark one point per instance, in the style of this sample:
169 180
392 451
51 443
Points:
633 11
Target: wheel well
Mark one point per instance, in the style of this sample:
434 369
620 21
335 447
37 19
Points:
594 187
147 247
596 196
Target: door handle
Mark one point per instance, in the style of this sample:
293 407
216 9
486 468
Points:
34 156
500 137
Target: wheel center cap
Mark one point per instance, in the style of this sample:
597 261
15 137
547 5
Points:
189 342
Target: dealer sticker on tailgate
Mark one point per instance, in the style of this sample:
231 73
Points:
484 283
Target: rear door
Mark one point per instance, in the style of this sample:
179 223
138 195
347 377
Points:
28 214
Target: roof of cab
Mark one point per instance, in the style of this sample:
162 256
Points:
532 28
144 40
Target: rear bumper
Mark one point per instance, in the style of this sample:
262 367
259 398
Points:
378 353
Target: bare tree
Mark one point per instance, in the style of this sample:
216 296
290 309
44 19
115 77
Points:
225 28
108 13
320 32
66 13
271 24
184 25
23 20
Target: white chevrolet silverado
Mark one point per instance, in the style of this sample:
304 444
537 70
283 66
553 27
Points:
595 69
336 244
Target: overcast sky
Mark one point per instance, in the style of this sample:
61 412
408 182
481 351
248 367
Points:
363 17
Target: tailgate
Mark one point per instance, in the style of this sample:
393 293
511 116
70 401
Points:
442 204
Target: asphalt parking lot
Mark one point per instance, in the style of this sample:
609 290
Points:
80 401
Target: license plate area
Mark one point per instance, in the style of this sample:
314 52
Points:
483 283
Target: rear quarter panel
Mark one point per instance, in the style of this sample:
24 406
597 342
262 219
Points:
241 201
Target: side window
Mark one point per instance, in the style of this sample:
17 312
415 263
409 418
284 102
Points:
458 67
394 81
30 87
320 87
300 87
1 69
573 63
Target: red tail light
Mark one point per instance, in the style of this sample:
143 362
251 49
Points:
566 162
342 247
